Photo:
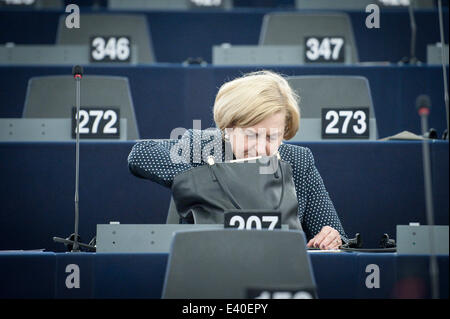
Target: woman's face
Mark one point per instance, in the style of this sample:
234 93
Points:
261 139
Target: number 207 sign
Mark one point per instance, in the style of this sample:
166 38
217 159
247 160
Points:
345 123
252 220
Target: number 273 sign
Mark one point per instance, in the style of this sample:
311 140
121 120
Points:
345 123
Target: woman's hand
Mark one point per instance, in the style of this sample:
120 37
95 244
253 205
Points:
327 238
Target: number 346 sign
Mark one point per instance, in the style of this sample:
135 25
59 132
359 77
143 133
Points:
110 49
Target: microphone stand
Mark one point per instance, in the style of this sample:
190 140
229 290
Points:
412 52
77 72
411 59
77 162
424 110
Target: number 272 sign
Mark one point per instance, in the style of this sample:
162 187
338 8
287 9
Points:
97 122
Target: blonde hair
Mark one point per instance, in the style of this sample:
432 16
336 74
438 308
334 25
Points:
247 100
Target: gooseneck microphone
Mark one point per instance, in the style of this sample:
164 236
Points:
74 240
423 105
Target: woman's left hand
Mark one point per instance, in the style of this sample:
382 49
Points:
327 238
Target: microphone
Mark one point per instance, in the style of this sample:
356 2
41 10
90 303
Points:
73 242
77 71
423 105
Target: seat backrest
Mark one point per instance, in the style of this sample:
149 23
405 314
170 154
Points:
226 263
132 25
54 97
294 28
317 92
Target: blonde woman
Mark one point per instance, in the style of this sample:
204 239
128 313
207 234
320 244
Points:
253 115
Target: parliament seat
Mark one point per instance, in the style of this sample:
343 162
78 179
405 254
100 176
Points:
320 91
54 97
236 261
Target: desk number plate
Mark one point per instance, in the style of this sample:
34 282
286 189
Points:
97 123
324 50
250 220
345 123
111 49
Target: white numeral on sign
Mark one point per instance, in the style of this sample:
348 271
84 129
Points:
313 52
99 44
108 127
338 43
123 49
361 117
331 129
110 49
273 221
253 220
84 119
98 116
237 220
348 116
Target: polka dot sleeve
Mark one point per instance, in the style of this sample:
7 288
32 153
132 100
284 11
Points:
316 209
161 160
151 159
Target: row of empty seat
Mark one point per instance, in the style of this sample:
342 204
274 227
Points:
317 92
183 30
278 30
287 38
166 97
